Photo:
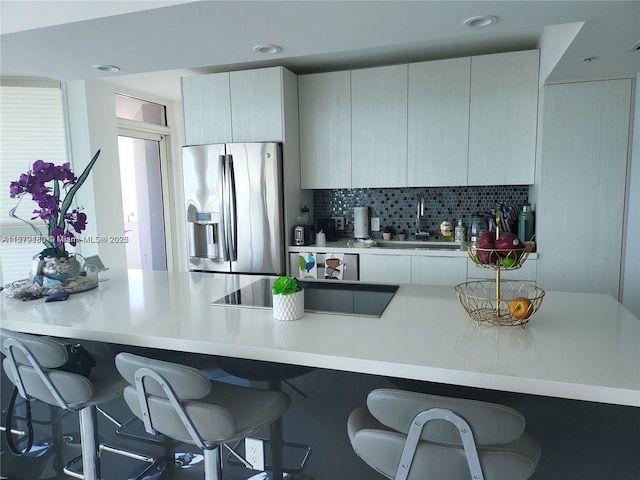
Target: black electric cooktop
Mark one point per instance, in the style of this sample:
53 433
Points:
368 300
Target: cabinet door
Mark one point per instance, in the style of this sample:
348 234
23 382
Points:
325 130
379 127
444 271
256 102
583 169
438 129
385 268
526 273
503 118
207 109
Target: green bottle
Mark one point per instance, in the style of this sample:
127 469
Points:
526 224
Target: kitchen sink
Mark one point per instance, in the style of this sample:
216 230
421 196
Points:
421 245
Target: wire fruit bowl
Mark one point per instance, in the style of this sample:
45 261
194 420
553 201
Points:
494 303
491 258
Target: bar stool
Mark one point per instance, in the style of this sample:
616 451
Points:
274 374
182 403
31 363
410 436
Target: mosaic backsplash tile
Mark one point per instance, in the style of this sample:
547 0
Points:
398 207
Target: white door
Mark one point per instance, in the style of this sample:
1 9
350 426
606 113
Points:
142 199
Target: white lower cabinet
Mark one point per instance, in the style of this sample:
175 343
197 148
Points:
413 269
526 273
444 271
385 268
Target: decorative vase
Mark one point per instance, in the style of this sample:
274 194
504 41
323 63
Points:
288 307
61 268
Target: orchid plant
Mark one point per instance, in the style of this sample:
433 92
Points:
54 200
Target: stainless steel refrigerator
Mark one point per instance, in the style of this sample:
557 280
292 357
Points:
234 208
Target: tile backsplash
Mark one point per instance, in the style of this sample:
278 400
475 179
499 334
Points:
398 207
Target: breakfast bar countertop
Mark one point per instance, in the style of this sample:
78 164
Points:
577 346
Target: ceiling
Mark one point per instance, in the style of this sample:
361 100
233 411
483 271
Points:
155 42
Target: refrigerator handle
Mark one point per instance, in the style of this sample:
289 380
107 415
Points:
228 199
222 229
232 233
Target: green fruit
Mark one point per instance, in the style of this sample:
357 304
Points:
509 262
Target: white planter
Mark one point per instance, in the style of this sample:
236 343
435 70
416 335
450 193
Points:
288 307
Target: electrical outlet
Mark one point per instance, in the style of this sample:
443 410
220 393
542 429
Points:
339 222
254 452
375 224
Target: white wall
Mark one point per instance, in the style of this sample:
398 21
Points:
631 265
92 123
93 126
553 44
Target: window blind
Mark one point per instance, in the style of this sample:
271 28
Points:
32 127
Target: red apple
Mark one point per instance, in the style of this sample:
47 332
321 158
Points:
509 245
487 240
487 256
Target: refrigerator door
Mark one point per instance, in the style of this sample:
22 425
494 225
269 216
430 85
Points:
203 175
255 208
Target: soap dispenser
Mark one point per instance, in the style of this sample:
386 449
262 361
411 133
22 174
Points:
460 232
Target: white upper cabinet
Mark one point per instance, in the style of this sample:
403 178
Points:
245 106
379 127
206 103
503 118
325 130
438 129
257 105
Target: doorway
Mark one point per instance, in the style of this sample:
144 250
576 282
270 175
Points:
141 156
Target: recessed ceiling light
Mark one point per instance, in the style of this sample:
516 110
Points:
268 49
481 21
107 68
589 59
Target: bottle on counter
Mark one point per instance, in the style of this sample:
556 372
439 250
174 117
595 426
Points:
446 230
526 224
303 218
460 232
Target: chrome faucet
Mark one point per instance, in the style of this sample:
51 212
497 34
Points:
422 206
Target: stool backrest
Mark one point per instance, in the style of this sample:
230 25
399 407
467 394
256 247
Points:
31 363
165 396
189 383
491 423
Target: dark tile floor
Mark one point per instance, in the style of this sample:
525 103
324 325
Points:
580 440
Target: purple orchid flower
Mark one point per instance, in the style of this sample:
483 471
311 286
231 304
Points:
77 219
53 210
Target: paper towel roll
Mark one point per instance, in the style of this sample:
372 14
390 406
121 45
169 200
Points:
361 222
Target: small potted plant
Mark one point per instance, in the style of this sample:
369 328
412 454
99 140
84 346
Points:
387 232
402 235
288 299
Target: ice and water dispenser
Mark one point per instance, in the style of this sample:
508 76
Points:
203 232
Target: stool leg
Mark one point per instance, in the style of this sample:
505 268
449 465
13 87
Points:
89 443
213 464
277 438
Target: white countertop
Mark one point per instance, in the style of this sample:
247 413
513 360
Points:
395 247
577 346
